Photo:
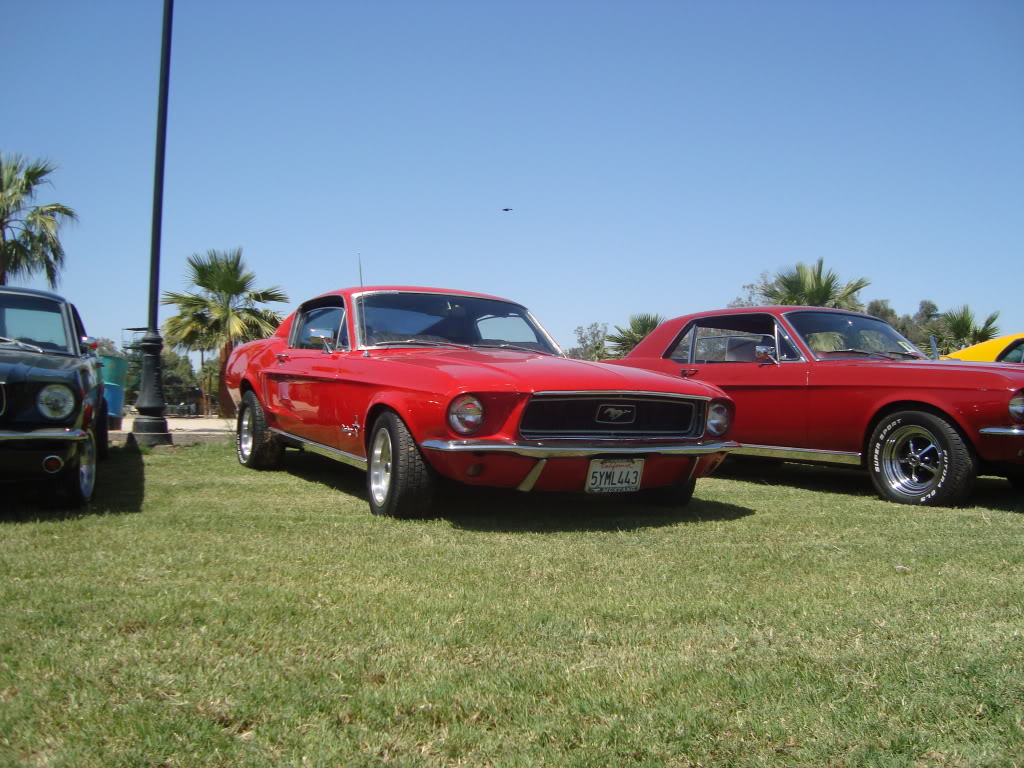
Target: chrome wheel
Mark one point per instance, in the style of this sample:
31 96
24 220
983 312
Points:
255 444
245 433
912 460
380 466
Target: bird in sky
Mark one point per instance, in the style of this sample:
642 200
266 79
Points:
506 209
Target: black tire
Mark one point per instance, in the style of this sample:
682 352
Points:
1016 480
675 496
77 480
916 457
399 481
255 444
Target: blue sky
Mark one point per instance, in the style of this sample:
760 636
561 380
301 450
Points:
657 155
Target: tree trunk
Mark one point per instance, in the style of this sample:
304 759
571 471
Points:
227 407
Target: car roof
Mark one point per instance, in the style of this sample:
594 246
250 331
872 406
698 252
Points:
774 309
31 292
992 346
411 289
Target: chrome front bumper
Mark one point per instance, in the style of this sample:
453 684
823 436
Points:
50 433
1003 431
560 449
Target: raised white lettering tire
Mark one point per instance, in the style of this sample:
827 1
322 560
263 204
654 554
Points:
918 457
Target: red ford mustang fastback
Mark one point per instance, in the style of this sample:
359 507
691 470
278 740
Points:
830 386
408 383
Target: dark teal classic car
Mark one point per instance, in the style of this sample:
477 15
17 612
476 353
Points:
53 421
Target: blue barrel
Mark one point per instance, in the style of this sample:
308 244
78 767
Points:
115 377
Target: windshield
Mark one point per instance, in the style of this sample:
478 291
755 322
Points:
435 319
33 320
832 334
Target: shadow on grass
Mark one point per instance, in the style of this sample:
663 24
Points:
479 508
319 469
993 493
491 509
809 477
120 488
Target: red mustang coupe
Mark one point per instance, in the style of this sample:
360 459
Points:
830 386
410 383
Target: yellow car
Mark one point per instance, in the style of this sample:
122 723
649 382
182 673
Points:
1005 349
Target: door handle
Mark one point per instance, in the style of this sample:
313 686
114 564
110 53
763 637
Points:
688 372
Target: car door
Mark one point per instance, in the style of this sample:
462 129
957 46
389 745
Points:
769 393
308 383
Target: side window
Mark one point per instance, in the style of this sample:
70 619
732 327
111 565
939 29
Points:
318 322
680 353
1014 354
79 327
732 339
786 350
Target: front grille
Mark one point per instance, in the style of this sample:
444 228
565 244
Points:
615 415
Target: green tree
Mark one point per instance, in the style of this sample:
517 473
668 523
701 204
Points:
222 311
589 343
624 339
813 286
29 234
108 348
960 329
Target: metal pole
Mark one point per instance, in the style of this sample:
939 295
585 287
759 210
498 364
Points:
150 426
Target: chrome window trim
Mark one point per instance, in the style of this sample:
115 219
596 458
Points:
324 450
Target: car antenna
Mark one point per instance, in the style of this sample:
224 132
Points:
359 256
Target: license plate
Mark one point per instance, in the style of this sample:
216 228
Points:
614 475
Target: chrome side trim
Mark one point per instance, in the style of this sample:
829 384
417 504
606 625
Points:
799 454
560 449
598 393
71 435
1003 431
324 450
531 479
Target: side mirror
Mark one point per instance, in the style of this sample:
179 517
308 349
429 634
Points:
765 353
319 336
90 343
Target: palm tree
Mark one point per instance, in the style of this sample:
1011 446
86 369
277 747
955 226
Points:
959 329
222 312
624 339
813 286
29 234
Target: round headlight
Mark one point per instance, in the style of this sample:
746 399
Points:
718 419
466 414
1017 407
55 401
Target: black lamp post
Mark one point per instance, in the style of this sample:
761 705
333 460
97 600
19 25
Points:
150 426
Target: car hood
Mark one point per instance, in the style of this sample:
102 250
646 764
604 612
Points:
19 365
511 370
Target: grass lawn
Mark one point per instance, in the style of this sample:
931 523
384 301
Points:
202 614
